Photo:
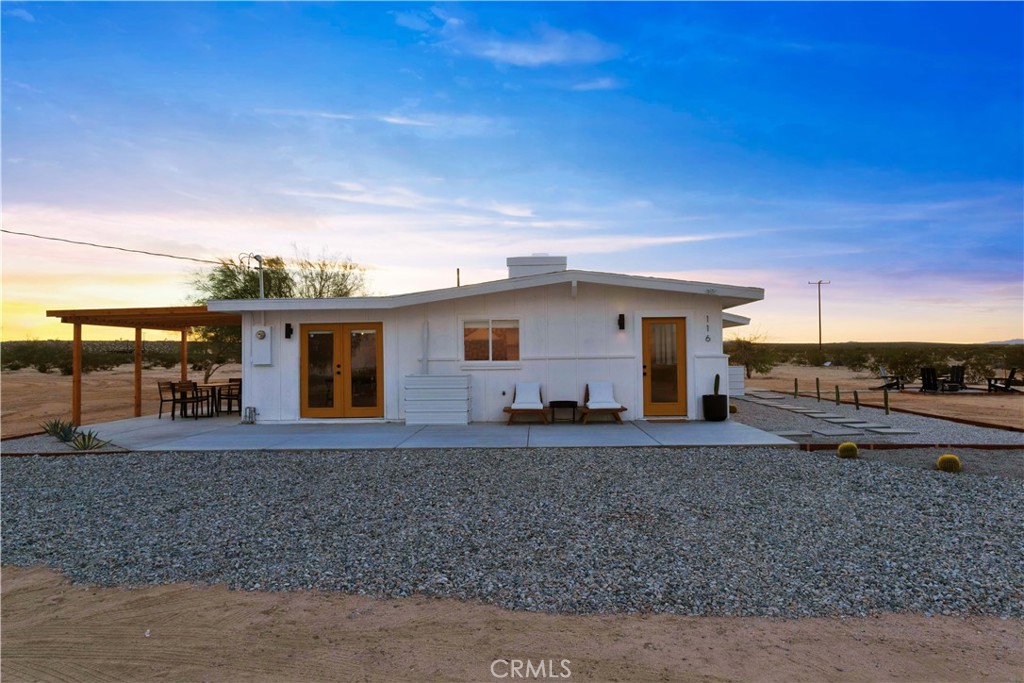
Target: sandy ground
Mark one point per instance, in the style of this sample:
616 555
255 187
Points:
53 630
976 405
29 397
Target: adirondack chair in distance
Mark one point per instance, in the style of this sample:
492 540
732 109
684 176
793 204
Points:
929 380
996 384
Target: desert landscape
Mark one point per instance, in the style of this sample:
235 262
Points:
55 630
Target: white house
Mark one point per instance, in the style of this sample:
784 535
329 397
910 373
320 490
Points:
454 355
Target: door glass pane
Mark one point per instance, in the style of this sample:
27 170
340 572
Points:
363 347
320 370
664 363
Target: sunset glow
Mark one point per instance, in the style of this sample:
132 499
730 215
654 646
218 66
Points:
875 145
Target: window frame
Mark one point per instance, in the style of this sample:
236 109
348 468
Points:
489 361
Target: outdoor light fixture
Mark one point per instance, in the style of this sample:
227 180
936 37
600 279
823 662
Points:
288 329
622 321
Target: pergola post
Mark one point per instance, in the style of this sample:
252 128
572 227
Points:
184 355
138 372
76 376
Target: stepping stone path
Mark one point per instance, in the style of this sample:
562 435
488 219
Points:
843 425
838 431
891 430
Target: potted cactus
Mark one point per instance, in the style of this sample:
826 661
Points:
716 405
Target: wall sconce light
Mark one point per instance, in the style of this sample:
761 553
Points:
288 329
622 321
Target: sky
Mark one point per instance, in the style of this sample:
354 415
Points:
876 146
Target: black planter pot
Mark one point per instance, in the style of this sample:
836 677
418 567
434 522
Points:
716 407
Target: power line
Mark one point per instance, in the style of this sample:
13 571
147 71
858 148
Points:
107 246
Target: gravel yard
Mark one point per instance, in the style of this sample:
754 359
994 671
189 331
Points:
708 531
771 416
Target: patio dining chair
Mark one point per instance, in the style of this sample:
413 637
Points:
166 390
188 394
231 395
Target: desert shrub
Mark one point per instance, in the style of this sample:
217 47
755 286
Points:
948 463
57 427
752 353
852 356
811 357
66 432
96 355
909 361
87 441
848 450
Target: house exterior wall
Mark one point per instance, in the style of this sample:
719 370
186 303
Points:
568 336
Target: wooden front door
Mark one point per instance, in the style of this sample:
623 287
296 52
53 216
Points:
664 359
342 370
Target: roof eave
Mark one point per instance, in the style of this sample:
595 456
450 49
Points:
730 295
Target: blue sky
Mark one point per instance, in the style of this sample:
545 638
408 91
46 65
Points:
878 146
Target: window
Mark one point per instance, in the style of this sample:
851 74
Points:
491 340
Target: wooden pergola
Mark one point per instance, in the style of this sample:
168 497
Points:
168 319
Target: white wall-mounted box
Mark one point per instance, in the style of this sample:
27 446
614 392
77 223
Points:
262 345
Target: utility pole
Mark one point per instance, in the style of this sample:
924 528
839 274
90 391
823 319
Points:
819 283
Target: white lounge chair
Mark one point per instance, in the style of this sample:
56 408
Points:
599 399
527 400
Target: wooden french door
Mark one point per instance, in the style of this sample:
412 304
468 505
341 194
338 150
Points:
664 358
342 370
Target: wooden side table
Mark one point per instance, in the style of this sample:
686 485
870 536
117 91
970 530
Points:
563 405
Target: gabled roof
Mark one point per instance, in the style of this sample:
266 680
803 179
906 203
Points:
729 295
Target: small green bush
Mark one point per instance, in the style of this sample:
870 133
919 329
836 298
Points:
848 450
733 409
948 463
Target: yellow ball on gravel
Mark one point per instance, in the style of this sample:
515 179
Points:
948 463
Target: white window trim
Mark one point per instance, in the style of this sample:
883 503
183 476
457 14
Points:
489 363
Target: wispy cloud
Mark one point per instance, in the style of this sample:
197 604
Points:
545 45
437 125
598 84
307 114
20 13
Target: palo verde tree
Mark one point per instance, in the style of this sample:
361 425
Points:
310 278
752 353
325 277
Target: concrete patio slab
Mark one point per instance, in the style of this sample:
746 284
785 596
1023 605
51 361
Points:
227 433
728 433
480 435
593 435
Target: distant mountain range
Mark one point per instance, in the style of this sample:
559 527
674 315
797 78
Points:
1008 341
